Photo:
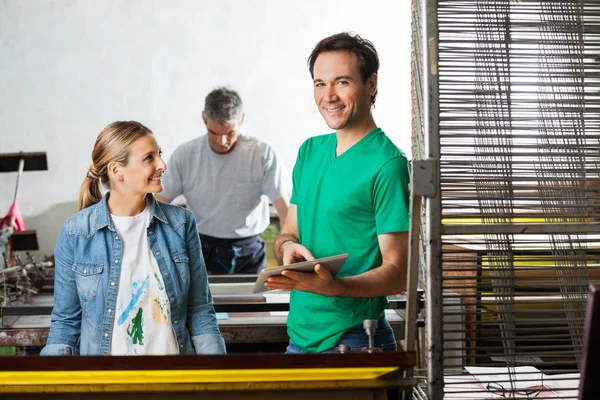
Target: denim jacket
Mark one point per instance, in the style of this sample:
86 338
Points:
88 266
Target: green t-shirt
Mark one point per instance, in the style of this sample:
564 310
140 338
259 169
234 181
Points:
343 204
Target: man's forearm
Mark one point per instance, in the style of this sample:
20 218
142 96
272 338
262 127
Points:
386 280
280 241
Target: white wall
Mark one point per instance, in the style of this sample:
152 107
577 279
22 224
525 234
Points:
68 68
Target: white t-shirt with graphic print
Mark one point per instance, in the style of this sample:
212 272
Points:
142 321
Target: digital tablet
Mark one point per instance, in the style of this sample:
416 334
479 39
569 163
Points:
332 264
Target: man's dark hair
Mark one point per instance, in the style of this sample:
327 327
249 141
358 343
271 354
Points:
368 60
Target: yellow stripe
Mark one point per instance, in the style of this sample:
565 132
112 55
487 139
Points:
20 378
514 220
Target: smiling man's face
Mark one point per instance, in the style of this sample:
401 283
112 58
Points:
340 94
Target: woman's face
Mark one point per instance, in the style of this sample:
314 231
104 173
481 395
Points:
143 173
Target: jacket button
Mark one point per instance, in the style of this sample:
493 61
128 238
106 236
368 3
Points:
117 237
109 310
112 284
166 273
150 233
175 322
106 335
85 271
116 261
157 253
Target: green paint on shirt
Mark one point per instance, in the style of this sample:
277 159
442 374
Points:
135 329
160 286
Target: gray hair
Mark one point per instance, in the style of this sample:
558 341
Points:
224 106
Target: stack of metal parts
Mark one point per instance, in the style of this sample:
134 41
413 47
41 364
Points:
506 109
22 278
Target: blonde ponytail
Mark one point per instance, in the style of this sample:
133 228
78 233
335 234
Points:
112 145
90 193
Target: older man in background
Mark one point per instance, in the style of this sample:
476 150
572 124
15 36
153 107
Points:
227 179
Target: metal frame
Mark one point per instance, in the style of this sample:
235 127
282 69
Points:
573 256
433 212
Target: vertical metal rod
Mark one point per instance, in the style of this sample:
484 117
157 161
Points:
433 270
412 283
19 174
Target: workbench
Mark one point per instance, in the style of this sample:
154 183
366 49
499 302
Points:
249 322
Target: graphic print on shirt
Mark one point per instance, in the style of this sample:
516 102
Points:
133 314
135 328
142 324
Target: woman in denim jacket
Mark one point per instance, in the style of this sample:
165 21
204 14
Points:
130 277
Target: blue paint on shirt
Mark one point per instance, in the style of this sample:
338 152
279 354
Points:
134 298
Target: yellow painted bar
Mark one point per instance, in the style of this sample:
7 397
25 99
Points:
168 380
513 220
190 380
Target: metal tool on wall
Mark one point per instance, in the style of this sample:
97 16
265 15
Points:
18 277
26 277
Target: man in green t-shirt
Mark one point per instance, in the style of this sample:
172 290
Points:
350 195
